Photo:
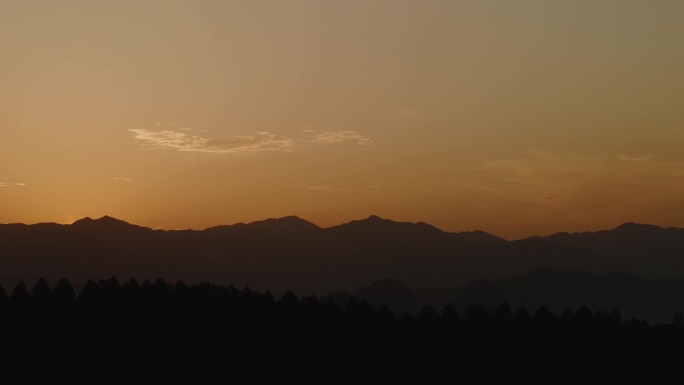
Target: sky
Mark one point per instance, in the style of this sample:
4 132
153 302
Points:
513 117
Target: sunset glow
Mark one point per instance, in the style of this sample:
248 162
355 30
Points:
513 117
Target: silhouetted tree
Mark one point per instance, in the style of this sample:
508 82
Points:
476 314
608 320
131 290
180 288
385 313
42 293
63 294
450 312
160 289
289 300
20 295
428 314
522 315
89 293
503 312
583 316
544 316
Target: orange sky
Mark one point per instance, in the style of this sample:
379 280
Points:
517 118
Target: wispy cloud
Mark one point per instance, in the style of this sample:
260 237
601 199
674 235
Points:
12 184
329 188
122 179
331 137
183 140
169 137
319 188
636 158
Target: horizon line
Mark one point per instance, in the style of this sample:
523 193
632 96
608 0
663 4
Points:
370 217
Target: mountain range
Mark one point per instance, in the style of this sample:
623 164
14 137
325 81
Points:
291 253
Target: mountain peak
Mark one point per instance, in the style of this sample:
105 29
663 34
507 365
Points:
104 219
636 228
375 226
375 220
286 219
83 221
103 223
108 219
289 225
635 225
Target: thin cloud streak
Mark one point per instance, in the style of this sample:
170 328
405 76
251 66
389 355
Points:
319 188
329 188
168 139
332 137
636 158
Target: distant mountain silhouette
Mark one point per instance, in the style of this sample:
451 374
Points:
291 253
290 225
389 292
558 289
106 225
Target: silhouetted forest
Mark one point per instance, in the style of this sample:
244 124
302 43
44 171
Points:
161 333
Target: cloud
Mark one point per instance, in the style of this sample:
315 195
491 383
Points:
122 179
329 188
169 137
15 184
636 158
331 137
532 176
181 139
319 188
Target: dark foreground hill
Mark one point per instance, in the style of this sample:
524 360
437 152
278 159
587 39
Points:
158 333
558 289
291 253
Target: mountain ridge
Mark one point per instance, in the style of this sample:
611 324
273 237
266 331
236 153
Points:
370 220
290 253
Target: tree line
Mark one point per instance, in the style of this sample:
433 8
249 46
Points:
163 333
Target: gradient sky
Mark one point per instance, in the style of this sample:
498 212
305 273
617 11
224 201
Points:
514 117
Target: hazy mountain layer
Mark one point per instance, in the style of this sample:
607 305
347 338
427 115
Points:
557 289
